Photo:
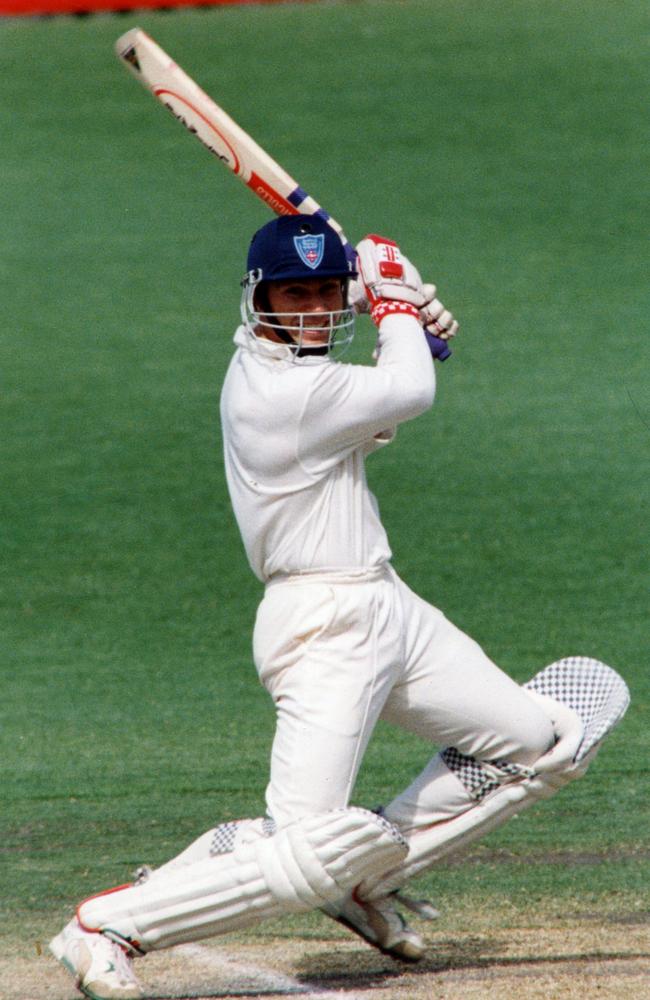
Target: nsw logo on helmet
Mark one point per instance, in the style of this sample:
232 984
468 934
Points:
310 248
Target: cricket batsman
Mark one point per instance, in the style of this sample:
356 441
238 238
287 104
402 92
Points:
340 641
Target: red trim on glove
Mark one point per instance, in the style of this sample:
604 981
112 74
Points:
380 239
390 307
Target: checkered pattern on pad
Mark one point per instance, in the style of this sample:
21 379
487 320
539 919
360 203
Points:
470 771
476 778
223 840
592 689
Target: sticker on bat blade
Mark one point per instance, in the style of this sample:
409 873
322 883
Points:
310 249
131 56
199 125
272 197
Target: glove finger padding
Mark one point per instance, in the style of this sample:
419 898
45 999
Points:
357 298
429 293
438 320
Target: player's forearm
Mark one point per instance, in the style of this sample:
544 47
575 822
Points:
404 356
349 404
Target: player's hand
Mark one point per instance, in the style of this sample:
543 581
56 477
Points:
386 276
388 281
437 320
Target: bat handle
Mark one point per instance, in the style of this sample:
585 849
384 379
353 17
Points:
439 348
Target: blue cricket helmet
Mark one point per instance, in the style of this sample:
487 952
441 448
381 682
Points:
297 246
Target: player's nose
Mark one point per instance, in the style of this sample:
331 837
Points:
319 304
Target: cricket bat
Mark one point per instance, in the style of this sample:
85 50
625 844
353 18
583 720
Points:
226 140
213 127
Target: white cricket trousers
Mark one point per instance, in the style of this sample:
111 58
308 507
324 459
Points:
338 652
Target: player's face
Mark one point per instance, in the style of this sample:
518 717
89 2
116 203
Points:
319 297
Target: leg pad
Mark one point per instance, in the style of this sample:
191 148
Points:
307 864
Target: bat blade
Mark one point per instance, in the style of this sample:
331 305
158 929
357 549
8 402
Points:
215 129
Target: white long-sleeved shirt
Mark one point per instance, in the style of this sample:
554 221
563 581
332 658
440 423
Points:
296 432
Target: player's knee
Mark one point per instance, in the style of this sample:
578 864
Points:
556 765
532 734
538 739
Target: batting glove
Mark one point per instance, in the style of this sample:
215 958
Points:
389 283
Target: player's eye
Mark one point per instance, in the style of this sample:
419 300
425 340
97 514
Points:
331 289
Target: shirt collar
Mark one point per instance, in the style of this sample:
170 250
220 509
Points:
273 351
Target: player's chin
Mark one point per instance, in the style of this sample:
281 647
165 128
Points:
315 337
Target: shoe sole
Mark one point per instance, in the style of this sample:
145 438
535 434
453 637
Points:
398 951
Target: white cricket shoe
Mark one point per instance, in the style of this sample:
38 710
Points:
101 968
380 924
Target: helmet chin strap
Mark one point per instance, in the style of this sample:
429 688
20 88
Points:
303 352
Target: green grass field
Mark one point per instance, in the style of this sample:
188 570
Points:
502 143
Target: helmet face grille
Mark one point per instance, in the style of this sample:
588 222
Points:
291 328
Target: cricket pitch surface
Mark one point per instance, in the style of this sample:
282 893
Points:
569 961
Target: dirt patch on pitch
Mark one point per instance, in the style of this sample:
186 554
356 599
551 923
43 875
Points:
569 961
